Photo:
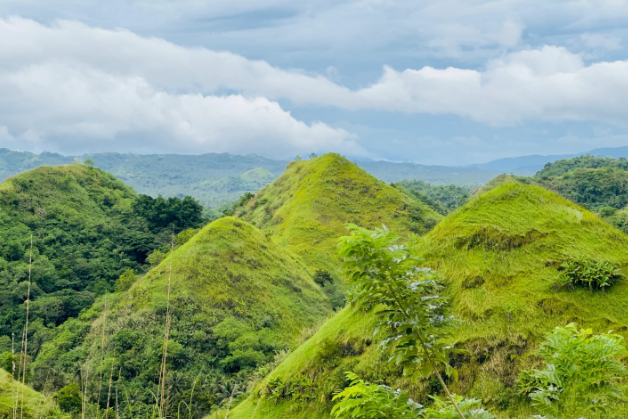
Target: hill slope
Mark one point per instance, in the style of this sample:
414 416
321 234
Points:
236 299
307 208
84 237
499 255
35 404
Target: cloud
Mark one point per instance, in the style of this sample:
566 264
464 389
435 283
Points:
72 87
70 84
549 84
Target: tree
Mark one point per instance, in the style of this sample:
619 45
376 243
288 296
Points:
581 375
89 163
312 156
388 277
69 398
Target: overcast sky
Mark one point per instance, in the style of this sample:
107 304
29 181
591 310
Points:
430 81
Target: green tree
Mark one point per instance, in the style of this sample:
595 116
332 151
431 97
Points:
581 373
387 276
69 398
89 162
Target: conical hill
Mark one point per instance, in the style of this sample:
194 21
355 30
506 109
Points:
500 256
236 299
308 206
83 240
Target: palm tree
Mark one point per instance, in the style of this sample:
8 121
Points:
228 389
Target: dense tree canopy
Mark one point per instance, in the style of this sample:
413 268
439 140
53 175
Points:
87 229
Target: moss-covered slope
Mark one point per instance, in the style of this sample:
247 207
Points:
35 404
307 208
500 256
236 300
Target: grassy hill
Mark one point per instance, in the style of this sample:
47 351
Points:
237 300
35 404
84 237
307 207
500 256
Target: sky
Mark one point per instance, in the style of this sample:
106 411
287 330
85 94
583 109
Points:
448 82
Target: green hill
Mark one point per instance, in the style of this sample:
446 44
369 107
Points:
307 207
35 404
500 256
84 237
237 300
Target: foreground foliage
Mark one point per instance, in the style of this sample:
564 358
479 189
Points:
581 375
369 401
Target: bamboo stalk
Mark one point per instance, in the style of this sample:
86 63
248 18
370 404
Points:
84 400
15 387
25 348
109 392
102 351
164 358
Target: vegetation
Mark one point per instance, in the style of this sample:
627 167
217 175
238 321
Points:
592 274
88 228
500 255
217 180
35 404
581 376
369 401
236 300
443 198
307 208
137 311
388 277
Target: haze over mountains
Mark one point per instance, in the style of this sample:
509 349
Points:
218 179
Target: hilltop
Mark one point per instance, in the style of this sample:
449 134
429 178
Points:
500 255
237 299
307 207
83 239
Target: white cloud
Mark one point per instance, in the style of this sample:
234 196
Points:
550 84
73 87
70 84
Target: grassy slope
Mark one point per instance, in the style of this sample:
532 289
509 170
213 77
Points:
499 255
307 208
228 276
35 404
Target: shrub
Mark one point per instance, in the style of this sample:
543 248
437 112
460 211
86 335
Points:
581 374
594 274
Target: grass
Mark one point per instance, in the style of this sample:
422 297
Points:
235 296
307 207
35 404
499 255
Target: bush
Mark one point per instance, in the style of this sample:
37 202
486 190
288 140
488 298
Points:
582 374
594 274
69 398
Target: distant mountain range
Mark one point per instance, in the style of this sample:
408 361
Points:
528 165
217 179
